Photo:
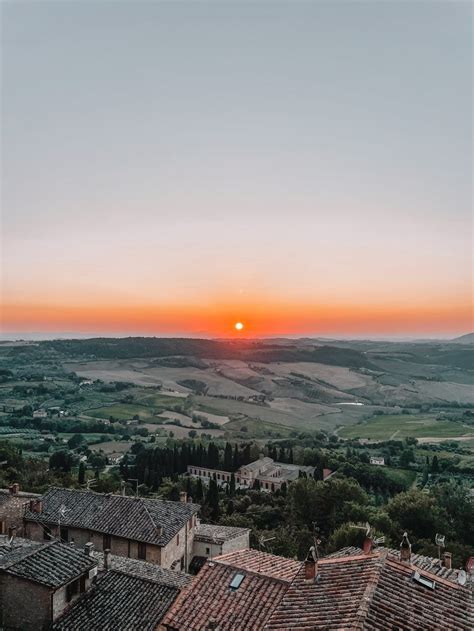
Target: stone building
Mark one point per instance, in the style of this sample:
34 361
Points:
212 540
12 506
270 474
157 531
39 580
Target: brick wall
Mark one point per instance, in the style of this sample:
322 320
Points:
12 509
24 605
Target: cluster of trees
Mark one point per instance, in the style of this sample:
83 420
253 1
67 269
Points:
334 512
152 465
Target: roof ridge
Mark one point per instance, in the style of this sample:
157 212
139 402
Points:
369 592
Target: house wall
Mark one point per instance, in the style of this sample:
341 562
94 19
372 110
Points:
24 605
205 474
164 556
181 548
60 601
206 549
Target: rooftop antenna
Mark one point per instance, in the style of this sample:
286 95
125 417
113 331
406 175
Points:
440 541
62 514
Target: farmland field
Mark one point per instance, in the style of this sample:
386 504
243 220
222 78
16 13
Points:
386 427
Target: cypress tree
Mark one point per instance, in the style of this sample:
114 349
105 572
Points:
228 457
212 500
81 476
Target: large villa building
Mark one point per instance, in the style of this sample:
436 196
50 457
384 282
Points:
271 475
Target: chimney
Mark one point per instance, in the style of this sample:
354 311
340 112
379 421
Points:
107 559
183 497
447 560
212 625
368 545
36 506
14 488
190 499
310 566
159 531
405 549
88 547
11 532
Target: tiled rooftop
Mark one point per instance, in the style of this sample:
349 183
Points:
373 592
218 534
425 563
128 517
119 602
52 564
261 563
210 597
142 569
353 591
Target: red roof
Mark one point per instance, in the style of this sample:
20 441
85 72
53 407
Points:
210 597
262 563
358 591
373 592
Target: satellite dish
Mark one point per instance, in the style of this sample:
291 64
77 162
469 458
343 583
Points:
462 577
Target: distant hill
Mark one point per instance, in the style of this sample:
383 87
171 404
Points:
464 339
254 350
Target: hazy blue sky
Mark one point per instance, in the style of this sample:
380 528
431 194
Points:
268 158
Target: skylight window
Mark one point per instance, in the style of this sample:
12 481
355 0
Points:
236 582
423 580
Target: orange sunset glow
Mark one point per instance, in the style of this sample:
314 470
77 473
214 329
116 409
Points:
261 167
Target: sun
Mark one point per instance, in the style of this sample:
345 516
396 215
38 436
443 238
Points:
238 326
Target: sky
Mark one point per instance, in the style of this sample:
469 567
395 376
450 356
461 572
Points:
172 168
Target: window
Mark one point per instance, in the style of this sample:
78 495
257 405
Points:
236 582
72 589
142 551
177 539
182 563
106 542
208 551
82 585
64 534
46 533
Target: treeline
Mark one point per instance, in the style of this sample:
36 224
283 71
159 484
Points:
152 465
259 351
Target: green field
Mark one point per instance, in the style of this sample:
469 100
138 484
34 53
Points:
122 411
400 426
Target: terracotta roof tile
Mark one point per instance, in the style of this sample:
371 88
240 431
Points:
210 596
373 592
262 563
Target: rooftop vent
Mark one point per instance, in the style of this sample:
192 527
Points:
236 582
423 580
